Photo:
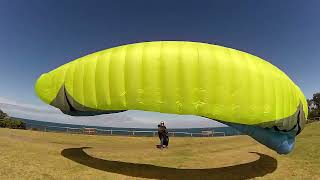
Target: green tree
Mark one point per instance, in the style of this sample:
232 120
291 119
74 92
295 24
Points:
310 104
3 115
314 106
8 122
316 100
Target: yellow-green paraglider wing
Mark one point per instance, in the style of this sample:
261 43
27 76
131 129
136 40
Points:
177 77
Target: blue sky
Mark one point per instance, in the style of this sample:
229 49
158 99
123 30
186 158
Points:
38 36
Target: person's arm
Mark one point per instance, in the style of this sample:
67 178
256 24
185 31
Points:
166 131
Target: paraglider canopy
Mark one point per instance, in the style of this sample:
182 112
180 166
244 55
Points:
178 77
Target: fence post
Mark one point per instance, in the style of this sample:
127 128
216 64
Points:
191 134
154 133
111 132
67 129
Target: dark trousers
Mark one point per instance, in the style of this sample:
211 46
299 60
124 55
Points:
164 141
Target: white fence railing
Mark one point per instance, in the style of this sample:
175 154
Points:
98 131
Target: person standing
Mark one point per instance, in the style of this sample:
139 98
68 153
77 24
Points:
163 135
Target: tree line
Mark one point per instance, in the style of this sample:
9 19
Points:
314 106
8 122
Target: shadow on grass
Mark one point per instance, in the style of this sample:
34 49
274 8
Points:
264 165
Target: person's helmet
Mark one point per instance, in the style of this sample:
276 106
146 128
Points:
162 123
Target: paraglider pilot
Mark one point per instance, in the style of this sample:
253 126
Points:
163 135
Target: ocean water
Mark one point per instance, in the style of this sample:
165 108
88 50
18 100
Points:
72 128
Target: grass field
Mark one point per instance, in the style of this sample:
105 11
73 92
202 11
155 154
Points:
42 155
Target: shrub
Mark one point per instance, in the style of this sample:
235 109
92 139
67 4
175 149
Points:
314 113
13 124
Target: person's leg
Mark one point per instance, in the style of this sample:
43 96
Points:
167 142
161 142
